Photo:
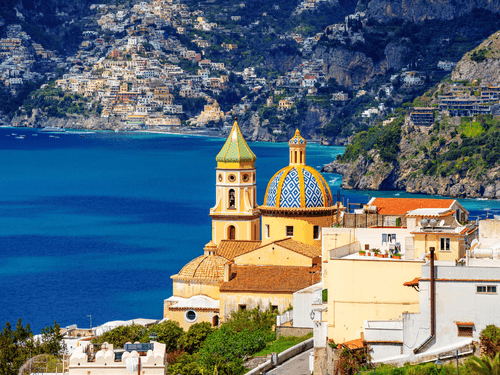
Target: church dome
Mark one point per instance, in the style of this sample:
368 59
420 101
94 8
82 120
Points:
298 187
204 268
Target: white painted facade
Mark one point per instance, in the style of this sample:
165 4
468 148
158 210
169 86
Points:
458 301
303 301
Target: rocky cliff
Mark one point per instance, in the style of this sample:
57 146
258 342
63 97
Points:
421 10
455 157
482 63
370 172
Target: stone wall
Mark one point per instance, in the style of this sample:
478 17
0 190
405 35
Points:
285 331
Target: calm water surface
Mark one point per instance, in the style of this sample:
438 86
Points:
96 225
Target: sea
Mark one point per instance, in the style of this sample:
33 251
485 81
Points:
93 224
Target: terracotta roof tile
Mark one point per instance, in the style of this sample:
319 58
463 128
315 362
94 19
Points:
205 267
354 344
414 282
299 247
230 249
270 279
400 206
464 323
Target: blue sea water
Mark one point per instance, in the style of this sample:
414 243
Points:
96 225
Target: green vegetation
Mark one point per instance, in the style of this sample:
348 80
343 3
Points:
479 56
17 345
470 128
282 344
385 139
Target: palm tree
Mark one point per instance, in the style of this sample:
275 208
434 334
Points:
486 365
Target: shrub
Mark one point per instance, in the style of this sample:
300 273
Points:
490 340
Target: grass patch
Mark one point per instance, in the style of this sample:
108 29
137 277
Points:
470 128
282 344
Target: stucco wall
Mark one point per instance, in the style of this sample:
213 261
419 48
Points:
273 255
179 315
456 301
186 289
231 301
361 290
423 241
303 228
302 305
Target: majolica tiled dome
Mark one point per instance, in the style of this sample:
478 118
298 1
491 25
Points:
204 268
298 186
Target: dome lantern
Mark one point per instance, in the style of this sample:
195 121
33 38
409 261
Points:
297 149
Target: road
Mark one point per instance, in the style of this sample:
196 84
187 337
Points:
298 365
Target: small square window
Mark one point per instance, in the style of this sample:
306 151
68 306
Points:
316 232
481 289
486 289
465 331
491 289
444 244
243 307
289 231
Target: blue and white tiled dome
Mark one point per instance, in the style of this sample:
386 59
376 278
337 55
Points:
298 186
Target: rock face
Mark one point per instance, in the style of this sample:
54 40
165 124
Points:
348 68
76 122
487 70
372 173
421 10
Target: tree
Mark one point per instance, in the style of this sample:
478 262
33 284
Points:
168 332
194 338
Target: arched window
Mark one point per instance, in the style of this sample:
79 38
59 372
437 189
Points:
301 161
215 321
295 156
231 232
231 199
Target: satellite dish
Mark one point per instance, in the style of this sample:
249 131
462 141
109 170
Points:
441 223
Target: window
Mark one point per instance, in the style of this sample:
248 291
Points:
388 238
231 200
444 244
316 232
243 307
486 289
274 307
268 231
289 231
191 315
465 331
231 232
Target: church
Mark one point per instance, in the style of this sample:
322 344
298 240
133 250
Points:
240 268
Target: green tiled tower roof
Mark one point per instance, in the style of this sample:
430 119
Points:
236 149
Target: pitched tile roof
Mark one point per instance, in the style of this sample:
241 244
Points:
230 249
270 279
400 206
299 247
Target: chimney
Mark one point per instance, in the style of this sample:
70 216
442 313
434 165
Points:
227 271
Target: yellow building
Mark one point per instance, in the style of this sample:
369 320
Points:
298 201
235 215
239 270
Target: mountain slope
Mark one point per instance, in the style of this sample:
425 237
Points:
456 156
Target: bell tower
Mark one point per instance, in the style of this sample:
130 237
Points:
235 215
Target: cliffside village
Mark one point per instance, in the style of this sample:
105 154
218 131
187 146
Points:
384 277
129 67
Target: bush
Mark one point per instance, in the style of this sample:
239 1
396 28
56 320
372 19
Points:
490 340
194 338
